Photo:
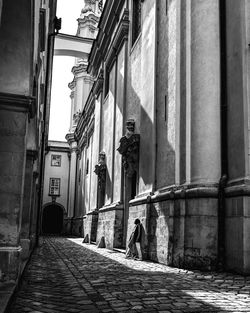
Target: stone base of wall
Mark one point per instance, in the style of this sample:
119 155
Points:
110 226
10 262
90 225
77 226
180 232
237 234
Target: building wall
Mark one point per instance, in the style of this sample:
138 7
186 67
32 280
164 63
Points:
61 172
192 187
22 72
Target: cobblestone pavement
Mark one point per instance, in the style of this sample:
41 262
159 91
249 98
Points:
65 275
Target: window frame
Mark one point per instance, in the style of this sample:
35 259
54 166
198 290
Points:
56 155
53 186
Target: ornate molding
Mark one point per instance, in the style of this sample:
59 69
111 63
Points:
100 170
179 192
129 149
121 35
72 84
104 42
80 68
18 103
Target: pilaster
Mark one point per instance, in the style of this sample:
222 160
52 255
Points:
13 131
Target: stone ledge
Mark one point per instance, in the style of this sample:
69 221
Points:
111 207
17 103
180 192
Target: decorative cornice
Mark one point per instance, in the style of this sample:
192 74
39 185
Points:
18 103
70 138
179 192
72 84
112 207
121 35
57 149
238 188
80 68
108 22
88 79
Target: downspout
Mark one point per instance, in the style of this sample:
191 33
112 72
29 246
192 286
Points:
224 135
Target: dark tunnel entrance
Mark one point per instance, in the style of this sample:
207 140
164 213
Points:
52 221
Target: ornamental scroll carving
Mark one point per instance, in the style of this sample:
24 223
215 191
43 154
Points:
100 170
129 149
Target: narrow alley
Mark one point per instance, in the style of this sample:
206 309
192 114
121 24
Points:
65 275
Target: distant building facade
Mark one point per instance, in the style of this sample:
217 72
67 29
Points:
163 134
55 190
25 71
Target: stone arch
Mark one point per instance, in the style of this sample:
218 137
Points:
52 218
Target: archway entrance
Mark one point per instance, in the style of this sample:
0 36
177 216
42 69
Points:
52 221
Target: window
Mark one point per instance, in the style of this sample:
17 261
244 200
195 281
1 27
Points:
42 29
54 186
136 20
55 160
106 85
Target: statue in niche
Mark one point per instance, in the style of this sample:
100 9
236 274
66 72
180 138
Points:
100 170
129 149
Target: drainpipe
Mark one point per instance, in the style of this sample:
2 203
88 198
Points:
224 135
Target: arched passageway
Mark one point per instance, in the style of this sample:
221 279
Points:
52 220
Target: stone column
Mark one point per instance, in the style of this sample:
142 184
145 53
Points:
237 211
203 167
204 92
72 177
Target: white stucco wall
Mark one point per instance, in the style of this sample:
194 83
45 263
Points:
61 172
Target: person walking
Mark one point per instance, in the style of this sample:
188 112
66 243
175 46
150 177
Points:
134 243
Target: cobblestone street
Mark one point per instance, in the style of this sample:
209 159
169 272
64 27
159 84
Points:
65 275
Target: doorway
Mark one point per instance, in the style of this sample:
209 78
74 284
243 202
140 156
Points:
52 219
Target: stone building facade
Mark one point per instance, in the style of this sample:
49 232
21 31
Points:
163 134
55 190
25 68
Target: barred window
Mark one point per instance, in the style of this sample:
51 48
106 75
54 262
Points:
56 160
54 186
136 20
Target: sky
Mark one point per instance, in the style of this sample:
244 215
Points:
69 11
